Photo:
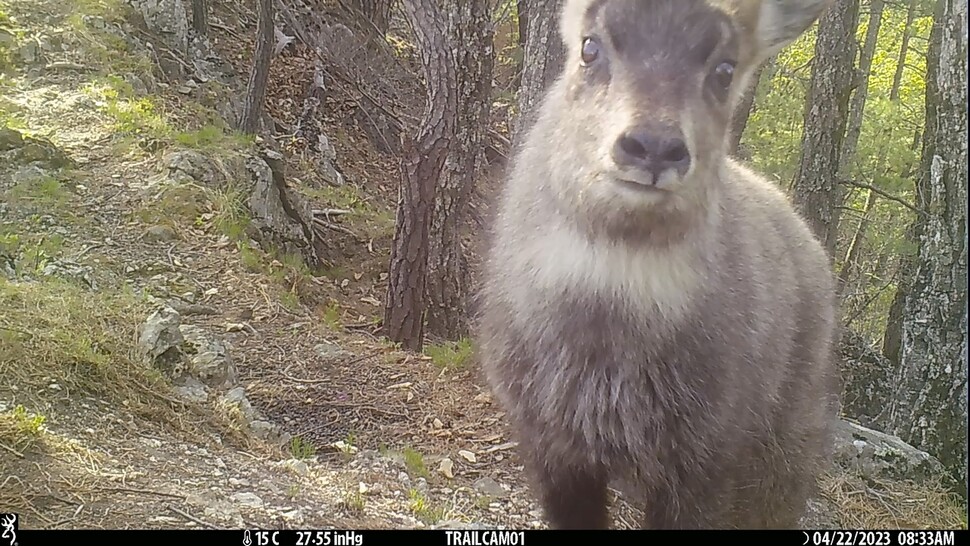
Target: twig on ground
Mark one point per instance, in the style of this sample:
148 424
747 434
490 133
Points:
140 491
12 450
190 517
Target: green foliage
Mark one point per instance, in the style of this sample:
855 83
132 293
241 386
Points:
133 116
424 509
414 461
887 155
451 355
301 449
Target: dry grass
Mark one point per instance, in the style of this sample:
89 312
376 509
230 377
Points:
59 337
893 505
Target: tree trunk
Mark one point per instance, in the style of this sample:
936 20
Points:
858 106
817 191
200 17
542 60
258 76
376 14
471 34
743 112
422 166
929 409
903 50
522 13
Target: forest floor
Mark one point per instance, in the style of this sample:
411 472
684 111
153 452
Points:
96 237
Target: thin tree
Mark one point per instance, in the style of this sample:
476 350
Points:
259 75
817 188
853 131
858 104
744 110
903 50
423 162
376 14
929 409
200 17
471 34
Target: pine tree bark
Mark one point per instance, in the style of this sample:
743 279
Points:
471 34
259 75
200 17
542 60
893 336
858 104
929 409
422 166
817 191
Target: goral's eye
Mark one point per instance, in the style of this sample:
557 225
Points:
590 51
724 74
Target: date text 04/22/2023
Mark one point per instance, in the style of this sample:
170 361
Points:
880 538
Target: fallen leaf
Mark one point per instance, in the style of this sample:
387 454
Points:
467 455
437 423
400 386
358 276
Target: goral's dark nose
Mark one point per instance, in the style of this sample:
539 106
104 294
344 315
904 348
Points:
652 148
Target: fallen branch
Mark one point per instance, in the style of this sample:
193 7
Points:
331 212
16 453
195 519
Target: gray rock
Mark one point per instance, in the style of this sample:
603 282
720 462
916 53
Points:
330 353
298 467
189 166
192 390
237 397
64 269
208 357
30 52
138 85
269 432
249 500
820 514
461 526
167 18
873 454
488 486
160 341
159 233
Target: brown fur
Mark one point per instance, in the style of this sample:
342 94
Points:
679 342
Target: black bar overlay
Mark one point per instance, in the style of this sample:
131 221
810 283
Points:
342 537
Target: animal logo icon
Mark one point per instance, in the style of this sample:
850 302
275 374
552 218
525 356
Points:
8 522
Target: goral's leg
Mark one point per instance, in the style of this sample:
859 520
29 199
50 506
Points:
573 498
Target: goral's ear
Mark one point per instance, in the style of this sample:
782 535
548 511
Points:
777 23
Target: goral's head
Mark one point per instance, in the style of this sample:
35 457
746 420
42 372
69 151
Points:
649 87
